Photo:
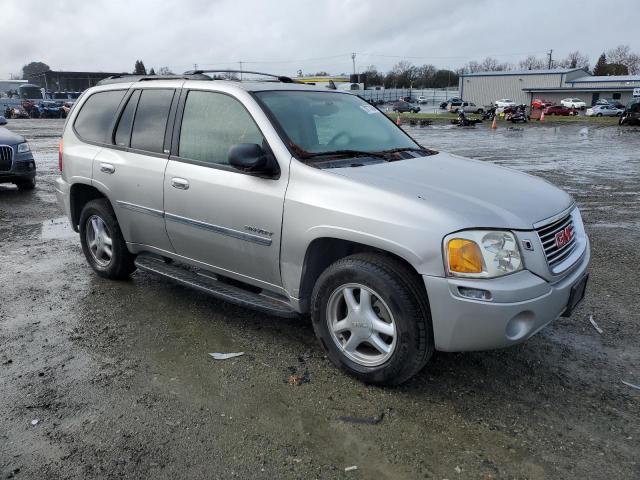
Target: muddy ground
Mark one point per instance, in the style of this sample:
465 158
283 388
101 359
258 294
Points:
118 377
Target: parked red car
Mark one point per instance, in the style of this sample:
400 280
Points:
540 103
559 110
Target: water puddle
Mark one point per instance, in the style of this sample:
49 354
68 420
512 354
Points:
57 229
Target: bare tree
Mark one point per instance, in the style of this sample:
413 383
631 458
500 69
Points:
575 59
165 71
487 65
532 63
623 55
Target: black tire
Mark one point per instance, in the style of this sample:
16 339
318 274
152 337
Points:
402 291
121 264
598 114
28 184
480 111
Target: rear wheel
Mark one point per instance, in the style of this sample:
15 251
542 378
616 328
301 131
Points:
371 315
102 241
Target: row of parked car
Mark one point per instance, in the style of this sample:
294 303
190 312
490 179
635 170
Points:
35 109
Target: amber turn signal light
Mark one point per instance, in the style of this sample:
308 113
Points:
464 256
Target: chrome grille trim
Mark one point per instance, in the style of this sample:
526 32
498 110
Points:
6 158
547 234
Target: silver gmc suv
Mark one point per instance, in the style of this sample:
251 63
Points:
294 199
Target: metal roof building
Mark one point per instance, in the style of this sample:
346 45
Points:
484 88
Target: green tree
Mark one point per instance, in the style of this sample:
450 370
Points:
34 68
601 66
152 71
139 68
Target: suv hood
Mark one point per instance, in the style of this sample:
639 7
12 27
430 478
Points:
473 192
7 137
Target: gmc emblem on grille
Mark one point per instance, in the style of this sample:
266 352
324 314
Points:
564 236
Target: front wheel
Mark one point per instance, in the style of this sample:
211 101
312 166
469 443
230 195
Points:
28 184
371 315
102 241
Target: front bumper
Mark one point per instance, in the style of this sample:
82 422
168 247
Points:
522 304
23 167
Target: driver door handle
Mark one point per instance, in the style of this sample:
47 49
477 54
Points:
180 183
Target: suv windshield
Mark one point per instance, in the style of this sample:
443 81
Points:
319 122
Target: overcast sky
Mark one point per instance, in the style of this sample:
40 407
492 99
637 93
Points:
286 35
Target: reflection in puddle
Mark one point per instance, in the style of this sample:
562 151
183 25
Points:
57 229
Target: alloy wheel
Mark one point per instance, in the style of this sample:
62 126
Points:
361 324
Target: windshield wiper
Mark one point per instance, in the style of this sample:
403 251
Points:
407 149
302 153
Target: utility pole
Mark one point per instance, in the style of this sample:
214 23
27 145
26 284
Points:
550 53
240 62
195 66
353 59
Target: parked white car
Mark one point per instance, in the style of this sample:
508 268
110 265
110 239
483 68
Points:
422 99
505 102
467 107
573 103
604 110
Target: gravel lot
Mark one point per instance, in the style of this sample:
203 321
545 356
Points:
118 377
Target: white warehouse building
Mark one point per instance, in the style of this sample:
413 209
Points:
484 88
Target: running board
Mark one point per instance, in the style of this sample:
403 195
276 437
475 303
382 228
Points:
207 283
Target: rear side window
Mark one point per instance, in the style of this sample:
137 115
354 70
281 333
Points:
150 121
211 124
95 118
123 131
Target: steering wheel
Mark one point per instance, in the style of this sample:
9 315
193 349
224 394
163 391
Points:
334 141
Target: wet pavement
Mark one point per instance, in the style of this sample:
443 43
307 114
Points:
118 376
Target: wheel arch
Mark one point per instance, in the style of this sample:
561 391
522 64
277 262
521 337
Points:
324 251
79 195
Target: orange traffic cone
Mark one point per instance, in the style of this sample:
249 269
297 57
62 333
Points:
542 116
398 121
494 124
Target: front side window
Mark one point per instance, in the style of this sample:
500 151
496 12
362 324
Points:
96 116
150 121
320 122
211 124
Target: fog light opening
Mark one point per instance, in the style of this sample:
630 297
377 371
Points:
475 293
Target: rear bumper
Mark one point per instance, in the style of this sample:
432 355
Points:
62 194
522 305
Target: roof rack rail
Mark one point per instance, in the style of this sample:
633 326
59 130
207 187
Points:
145 78
279 78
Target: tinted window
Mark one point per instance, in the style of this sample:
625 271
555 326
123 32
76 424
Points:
211 124
94 121
151 120
123 131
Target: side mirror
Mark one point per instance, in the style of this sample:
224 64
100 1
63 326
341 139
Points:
3 121
250 157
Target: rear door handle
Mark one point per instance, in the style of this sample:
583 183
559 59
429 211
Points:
107 168
180 183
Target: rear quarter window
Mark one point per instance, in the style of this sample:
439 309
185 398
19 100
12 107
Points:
96 115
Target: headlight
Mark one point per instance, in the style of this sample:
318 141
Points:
482 254
23 147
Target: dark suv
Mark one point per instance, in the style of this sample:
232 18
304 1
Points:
631 114
16 161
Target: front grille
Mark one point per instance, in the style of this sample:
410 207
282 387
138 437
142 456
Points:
556 255
6 158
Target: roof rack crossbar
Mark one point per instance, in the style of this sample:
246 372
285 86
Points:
280 78
145 78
